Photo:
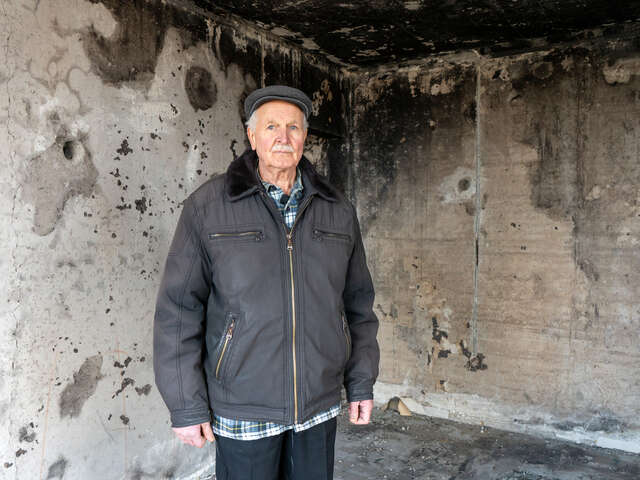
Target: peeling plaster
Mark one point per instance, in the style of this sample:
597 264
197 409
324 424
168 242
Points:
621 70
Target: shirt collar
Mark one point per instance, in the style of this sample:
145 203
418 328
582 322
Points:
296 191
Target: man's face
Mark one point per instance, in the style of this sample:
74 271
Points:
279 135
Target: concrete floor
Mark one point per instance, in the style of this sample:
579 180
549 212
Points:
396 447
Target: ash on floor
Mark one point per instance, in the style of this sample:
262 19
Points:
417 447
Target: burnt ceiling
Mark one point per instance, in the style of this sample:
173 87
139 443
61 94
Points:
367 33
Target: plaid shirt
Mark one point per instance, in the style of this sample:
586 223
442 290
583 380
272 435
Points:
254 430
250 430
290 209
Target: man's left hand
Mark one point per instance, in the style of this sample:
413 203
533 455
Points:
360 412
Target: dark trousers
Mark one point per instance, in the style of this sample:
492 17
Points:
307 455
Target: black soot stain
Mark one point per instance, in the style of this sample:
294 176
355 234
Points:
201 89
125 383
144 390
474 362
83 386
141 205
124 149
26 433
57 469
589 269
437 334
131 53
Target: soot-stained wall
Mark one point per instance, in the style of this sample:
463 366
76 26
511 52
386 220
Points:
500 203
498 199
111 113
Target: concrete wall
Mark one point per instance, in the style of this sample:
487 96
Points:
110 114
500 199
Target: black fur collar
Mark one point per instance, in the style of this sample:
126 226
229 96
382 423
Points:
242 180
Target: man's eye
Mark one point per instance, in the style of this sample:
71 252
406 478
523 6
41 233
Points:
293 127
270 127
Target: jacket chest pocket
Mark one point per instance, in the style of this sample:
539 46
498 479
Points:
226 345
238 235
327 234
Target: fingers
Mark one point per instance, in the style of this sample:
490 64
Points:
366 407
193 434
360 412
208 433
353 412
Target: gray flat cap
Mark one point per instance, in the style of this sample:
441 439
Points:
277 92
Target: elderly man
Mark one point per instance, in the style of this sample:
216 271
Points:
265 307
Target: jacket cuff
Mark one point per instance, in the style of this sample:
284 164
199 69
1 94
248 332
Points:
360 394
186 418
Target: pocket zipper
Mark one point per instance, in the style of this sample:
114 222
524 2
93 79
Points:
345 331
323 233
228 337
256 234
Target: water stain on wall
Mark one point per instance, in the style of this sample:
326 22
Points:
200 87
554 132
84 384
58 469
62 171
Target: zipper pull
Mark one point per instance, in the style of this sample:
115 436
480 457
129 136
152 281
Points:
289 242
230 330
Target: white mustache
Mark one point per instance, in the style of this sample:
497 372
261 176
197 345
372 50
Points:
282 148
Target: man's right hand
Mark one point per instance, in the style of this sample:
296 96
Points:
195 435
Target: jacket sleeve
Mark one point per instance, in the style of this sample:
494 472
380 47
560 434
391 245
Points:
362 368
179 324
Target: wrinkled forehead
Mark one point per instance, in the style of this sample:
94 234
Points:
279 110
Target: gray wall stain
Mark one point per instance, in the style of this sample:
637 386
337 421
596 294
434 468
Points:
201 88
26 433
62 171
84 384
143 390
58 469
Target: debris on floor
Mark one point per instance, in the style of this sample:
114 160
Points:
395 447
396 404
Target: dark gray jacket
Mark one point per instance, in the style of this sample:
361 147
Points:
258 324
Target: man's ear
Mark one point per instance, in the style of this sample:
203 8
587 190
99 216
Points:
252 138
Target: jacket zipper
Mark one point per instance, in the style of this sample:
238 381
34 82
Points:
289 236
258 235
228 337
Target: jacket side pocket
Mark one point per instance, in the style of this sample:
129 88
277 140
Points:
225 345
347 335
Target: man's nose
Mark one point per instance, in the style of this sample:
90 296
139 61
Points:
282 135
